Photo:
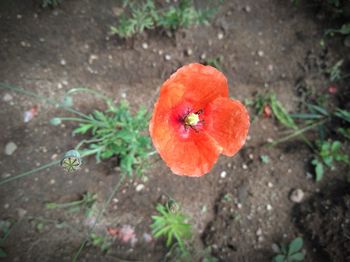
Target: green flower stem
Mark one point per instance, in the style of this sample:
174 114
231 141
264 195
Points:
4 181
106 204
64 205
87 90
39 97
298 132
74 119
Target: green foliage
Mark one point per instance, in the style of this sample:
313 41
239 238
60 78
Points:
100 242
5 229
115 132
265 159
172 224
343 30
328 153
290 253
334 72
50 3
215 62
138 17
86 203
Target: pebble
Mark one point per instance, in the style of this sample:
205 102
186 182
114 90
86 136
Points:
52 181
297 195
19 16
275 248
188 52
7 205
270 67
59 85
54 156
260 53
42 40
144 45
220 35
247 8
7 97
140 187
160 52
239 205
244 166
6 175
259 232
21 212
63 62
251 156
167 57
115 200
269 184
268 207
92 58
223 174
261 239
10 148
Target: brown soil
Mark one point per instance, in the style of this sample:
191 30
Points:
267 46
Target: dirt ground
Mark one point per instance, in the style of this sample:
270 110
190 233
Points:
267 45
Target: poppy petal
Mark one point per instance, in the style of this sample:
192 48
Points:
200 84
190 155
227 121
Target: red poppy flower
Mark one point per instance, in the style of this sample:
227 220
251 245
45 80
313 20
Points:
194 120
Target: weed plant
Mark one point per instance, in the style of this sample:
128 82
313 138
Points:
291 252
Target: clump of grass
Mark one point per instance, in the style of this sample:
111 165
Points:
138 17
172 224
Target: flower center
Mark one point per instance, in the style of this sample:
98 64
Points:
191 119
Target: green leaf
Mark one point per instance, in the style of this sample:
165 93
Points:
265 159
336 146
279 258
319 171
296 257
55 121
82 129
2 253
295 245
281 113
67 101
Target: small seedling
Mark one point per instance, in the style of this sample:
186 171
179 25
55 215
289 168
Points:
265 159
86 203
50 3
5 229
214 62
328 153
103 243
138 17
171 224
335 73
290 253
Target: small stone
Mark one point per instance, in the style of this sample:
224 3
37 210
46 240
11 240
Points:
52 181
42 40
160 52
140 187
203 56
297 195
251 156
269 184
59 85
259 232
188 52
270 67
223 174
19 16
144 45
167 57
54 156
63 62
268 207
115 200
239 205
35 16
220 35
23 43
6 175
244 166
275 248
21 212
260 53
6 206
289 170
249 138
261 239
10 148
92 58
269 140
247 9
7 97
